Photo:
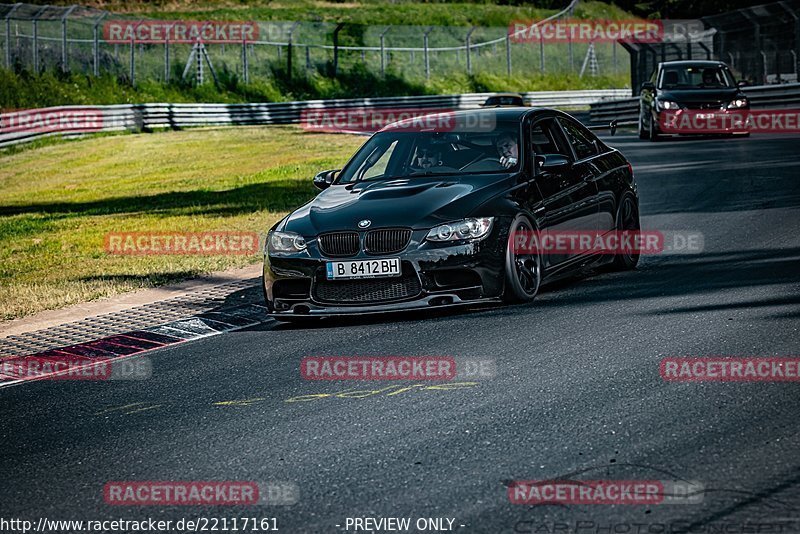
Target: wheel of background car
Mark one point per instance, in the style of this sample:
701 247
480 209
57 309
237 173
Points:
523 269
652 133
642 131
627 221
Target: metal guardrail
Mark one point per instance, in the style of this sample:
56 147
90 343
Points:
761 97
28 125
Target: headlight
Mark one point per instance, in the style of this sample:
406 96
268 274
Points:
666 104
285 242
458 231
739 103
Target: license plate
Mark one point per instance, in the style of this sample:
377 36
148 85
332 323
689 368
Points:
339 270
705 116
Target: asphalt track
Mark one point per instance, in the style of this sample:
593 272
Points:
578 392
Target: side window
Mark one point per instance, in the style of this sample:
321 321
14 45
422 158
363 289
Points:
582 142
544 139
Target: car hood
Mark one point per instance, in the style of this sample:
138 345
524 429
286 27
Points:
419 202
700 96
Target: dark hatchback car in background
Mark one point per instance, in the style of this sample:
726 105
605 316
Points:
693 86
504 100
421 219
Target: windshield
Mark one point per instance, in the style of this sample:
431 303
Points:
396 154
695 77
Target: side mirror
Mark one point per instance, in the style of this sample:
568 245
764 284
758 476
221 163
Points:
742 83
648 86
324 179
613 127
551 163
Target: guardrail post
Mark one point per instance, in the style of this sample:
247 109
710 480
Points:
383 51
763 66
467 45
794 64
8 34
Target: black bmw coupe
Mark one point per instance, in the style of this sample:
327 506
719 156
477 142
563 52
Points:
421 216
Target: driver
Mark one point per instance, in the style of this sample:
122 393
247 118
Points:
507 149
709 77
427 156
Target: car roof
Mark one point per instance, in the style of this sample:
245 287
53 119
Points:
500 114
693 62
493 95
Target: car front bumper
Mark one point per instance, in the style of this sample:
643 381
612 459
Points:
433 275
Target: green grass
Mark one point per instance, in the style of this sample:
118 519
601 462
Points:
60 200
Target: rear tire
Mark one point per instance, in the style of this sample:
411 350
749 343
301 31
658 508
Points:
523 270
627 221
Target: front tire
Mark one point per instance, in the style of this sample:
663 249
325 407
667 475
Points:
652 131
523 269
641 130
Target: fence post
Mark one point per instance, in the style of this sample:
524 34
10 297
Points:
166 54
383 52
763 66
571 56
245 62
96 44
36 39
289 50
508 54
425 45
336 31
64 64
614 55
8 34
467 45
133 53
541 53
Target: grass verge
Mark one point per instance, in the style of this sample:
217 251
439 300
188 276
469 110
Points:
60 200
